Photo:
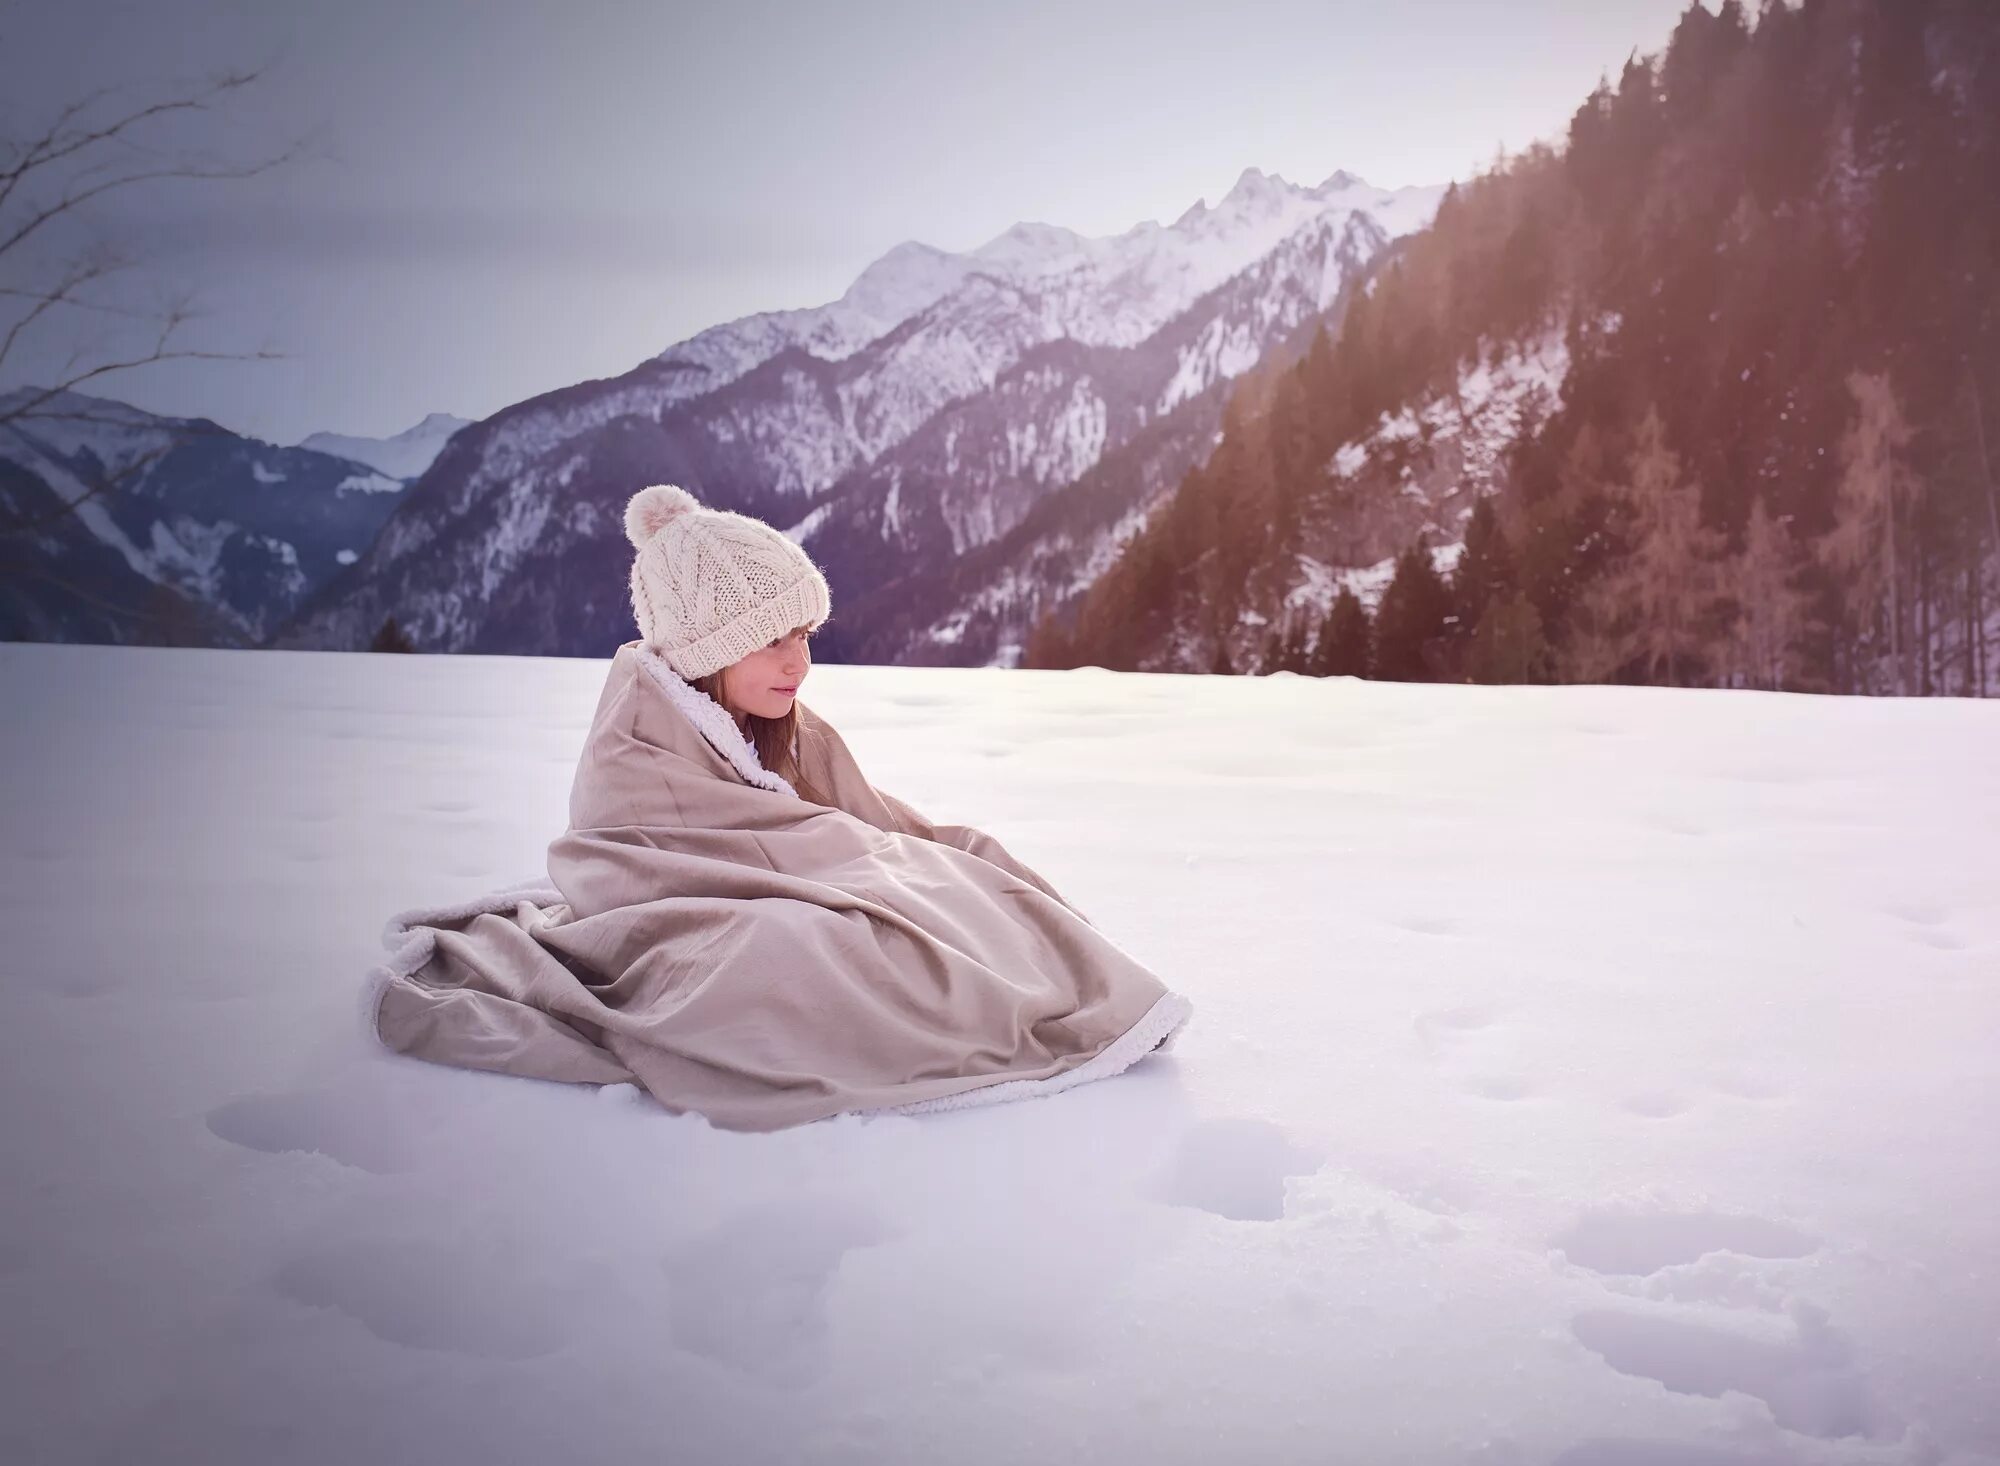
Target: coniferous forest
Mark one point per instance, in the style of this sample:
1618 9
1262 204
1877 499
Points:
1771 258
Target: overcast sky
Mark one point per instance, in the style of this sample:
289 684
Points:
492 200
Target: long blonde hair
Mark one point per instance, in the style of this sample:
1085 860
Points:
771 737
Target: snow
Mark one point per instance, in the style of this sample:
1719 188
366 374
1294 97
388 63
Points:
1319 584
1578 1074
1368 582
1316 590
185 552
801 531
72 424
368 483
1113 290
1456 441
404 456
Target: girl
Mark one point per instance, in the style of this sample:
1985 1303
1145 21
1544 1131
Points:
737 919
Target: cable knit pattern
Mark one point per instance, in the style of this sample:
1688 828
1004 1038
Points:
710 586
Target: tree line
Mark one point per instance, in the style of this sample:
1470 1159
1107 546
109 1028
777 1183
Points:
1773 254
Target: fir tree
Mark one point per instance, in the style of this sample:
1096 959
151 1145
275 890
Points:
1485 569
1486 566
1862 547
1670 579
390 637
1508 646
1598 637
1345 643
1770 609
1413 619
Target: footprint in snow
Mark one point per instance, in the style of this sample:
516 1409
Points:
751 1292
1506 1088
1444 1025
1636 1243
1808 1380
1234 1168
351 1129
1429 926
454 1298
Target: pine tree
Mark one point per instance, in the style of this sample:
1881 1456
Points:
1413 619
1670 579
1485 569
1345 643
1770 609
1486 566
1508 646
390 637
1598 640
1875 487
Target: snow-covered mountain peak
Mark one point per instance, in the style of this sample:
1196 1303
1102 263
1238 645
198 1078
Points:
1253 185
72 423
897 285
1106 290
1339 181
1033 248
404 456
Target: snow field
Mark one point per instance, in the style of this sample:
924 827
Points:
1591 1075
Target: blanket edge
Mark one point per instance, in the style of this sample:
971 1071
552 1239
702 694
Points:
410 940
1157 1025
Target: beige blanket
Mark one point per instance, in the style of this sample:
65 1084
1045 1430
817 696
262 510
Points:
757 958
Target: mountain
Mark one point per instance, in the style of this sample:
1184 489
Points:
180 530
1707 393
404 456
897 431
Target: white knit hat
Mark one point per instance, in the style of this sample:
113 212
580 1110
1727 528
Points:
710 586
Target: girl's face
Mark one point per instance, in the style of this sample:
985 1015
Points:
766 681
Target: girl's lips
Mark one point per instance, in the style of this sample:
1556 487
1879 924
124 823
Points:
788 691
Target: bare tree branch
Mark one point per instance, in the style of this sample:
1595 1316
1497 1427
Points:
72 380
52 147
80 157
79 274
72 199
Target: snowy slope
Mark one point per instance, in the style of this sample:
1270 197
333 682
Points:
1416 471
1590 1075
928 410
405 455
950 545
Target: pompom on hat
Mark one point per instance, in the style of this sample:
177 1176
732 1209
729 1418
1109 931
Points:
710 586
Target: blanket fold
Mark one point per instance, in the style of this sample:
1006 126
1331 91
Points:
757 956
